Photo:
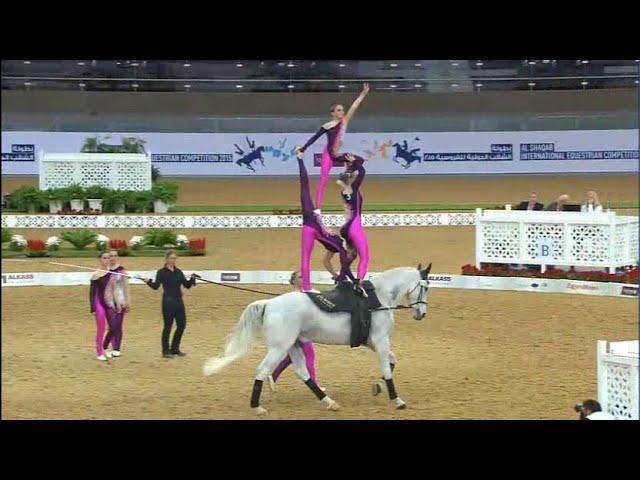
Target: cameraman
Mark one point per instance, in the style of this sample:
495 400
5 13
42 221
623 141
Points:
591 410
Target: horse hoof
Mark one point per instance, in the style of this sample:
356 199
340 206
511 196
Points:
376 389
400 405
260 411
272 384
333 406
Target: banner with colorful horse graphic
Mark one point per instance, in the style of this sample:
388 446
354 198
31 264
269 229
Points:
412 153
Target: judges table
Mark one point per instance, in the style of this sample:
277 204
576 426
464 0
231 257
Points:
578 239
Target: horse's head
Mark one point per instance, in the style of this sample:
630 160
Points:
417 292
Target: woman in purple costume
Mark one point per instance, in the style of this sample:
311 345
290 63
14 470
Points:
335 130
101 300
352 230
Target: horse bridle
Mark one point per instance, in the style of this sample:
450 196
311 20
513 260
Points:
424 286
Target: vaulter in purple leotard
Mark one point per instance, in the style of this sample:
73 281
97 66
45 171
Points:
313 230
335 130
101 300
352 230
121 300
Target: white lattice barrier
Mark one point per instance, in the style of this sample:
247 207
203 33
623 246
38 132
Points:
618 379
568 238
125 171
230 221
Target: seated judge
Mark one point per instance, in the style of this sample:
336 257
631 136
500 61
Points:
558 205
532 204
593 203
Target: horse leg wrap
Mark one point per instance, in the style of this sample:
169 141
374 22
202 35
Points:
255 395
391 388
392 366
315 389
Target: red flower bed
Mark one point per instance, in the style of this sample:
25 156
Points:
86 211
36 248
118 244
629 276
36 245
197 244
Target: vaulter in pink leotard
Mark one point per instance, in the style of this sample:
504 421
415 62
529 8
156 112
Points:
335 131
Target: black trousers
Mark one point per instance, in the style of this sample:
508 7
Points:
173 309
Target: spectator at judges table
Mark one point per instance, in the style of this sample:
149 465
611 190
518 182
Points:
593 203
558 205
531 204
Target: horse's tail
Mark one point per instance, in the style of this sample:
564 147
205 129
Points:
238 342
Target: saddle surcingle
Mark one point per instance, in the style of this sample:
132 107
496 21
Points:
343 298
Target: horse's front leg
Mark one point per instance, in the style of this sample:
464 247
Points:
380 385
299 363
383 350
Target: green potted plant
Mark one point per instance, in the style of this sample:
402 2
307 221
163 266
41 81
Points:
164 195
28 199
95 196
56 197
76 196
90 145
141 201
115 201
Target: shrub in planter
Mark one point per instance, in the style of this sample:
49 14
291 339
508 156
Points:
77 196
17 243
56 197
159 237
164 194
80 239
28 199
53 243
140 201
6 235
115 201
95 195
36 248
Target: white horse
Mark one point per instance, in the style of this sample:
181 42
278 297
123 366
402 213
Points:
293 316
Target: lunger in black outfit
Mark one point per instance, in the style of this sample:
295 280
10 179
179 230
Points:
171 277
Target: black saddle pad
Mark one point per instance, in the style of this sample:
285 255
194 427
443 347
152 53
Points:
344 299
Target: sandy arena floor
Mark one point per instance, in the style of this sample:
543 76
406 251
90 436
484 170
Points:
493 355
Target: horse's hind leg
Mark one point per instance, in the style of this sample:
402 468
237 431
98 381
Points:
297 357
269 362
